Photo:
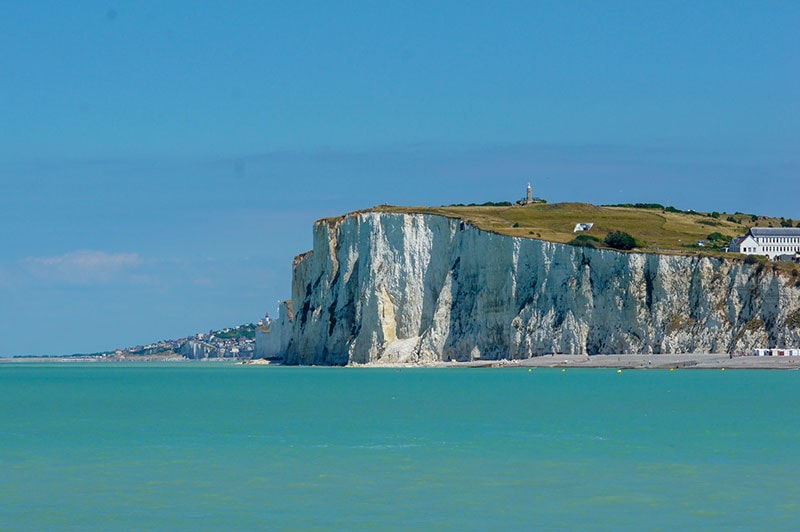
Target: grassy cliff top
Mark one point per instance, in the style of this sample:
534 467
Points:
655 228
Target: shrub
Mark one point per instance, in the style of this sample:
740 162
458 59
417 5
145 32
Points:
485 204
750 259
587 241
717 240
516 224
620 240
715 214
754 324
641 205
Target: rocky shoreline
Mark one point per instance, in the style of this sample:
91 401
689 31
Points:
623 361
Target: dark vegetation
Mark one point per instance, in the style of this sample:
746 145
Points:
587 241
247 331
620 240
717 240
486 204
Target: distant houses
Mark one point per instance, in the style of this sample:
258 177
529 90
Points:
777 243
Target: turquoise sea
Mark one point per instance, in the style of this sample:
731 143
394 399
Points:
193 446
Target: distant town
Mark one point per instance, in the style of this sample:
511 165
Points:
235 343
232 342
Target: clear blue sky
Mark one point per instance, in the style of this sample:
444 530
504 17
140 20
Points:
162 162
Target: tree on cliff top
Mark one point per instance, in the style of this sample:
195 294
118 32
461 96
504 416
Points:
620 240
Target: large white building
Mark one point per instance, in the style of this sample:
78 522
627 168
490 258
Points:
770 241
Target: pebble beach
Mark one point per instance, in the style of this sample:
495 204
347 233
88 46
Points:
661 361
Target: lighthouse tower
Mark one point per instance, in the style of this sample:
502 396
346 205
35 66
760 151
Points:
529 197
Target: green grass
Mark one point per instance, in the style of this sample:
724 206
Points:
247 330
659 230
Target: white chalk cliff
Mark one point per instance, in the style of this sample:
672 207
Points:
418 288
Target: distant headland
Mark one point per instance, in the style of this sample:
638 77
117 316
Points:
229 343
514 281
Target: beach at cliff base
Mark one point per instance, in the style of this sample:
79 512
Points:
619 361
639 361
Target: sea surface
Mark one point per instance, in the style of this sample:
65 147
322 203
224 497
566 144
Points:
204 446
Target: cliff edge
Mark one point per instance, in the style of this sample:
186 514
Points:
384 287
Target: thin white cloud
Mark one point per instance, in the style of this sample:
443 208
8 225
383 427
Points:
85 267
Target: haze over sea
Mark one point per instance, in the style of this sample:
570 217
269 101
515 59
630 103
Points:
92 446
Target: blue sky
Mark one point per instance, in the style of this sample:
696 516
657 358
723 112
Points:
162 162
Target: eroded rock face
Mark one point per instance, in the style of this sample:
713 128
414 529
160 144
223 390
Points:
272 341
391 288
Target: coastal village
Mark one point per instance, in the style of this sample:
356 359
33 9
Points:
229 343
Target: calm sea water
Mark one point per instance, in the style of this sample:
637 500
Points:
225 447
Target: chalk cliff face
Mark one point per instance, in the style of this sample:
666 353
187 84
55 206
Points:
273 340
387 288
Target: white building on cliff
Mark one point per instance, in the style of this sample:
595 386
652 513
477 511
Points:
770 241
